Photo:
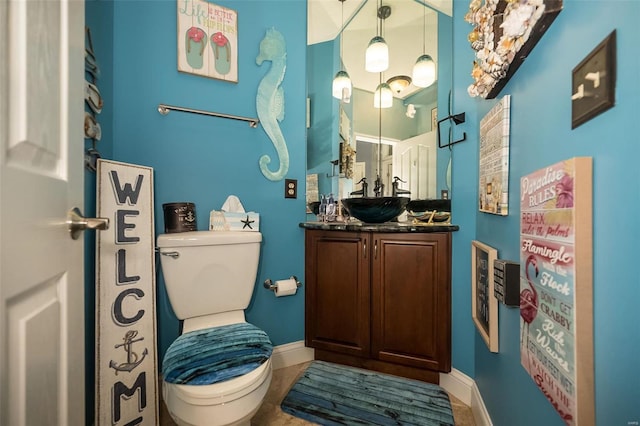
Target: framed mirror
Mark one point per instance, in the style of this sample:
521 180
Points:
396 141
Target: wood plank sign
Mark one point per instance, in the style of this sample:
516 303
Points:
556 277
494 159
126 363
207 40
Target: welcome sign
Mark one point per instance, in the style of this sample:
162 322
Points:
556 277
126 364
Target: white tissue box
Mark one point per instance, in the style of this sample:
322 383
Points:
234 221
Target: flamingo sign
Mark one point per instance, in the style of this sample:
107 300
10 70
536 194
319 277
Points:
556 303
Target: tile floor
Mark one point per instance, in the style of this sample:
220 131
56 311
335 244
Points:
270 413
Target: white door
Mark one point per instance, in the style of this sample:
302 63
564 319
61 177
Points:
414 161
41 160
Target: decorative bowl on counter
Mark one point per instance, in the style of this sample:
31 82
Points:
429 211
375 209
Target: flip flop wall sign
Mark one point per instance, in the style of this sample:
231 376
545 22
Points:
207 40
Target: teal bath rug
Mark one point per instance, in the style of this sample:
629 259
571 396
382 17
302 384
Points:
332 394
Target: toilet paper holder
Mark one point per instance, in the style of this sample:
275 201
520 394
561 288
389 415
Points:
270 285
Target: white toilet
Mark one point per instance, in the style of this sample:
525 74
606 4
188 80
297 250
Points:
219 369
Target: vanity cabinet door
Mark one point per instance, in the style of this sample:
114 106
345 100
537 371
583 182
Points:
411 299
337 302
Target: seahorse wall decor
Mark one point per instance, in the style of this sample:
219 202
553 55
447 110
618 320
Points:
270 100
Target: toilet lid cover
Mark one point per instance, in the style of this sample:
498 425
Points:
213 355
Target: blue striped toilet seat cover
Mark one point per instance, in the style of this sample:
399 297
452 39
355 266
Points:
217 354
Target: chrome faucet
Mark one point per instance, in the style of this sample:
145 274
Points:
362 191
397 191
378 189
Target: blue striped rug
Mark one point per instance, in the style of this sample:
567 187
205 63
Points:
332 394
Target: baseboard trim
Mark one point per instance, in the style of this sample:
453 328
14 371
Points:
479 410
465 389
291 354
456 383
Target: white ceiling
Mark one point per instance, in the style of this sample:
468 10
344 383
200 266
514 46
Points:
403 32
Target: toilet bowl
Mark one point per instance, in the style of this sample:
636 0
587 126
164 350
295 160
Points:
218 370
233 402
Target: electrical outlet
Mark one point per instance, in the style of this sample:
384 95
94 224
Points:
290 188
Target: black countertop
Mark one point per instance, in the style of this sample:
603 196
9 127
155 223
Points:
357 226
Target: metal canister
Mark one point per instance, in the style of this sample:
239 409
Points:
179 217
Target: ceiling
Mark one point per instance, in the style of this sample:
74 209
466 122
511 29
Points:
402 30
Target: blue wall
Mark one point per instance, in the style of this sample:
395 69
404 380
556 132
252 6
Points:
541 135
205 159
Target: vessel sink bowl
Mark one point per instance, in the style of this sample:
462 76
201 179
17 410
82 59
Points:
375 209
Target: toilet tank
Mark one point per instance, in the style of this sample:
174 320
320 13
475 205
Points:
209 272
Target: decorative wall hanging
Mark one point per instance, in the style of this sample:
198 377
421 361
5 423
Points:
493 188
207 40
504 34
556 286
593 82
126 364
484 305
270 100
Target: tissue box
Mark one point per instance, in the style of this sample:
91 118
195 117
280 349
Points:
234 221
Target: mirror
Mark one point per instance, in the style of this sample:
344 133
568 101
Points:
397 141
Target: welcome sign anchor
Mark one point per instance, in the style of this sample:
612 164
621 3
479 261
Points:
133 360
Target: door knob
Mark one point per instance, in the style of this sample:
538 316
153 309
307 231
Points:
78 223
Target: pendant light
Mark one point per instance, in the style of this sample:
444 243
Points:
341 88
424 71
383 96
377 53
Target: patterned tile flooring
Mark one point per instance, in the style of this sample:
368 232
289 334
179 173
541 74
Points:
270 413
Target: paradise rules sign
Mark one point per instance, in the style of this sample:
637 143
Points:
556 276
126 364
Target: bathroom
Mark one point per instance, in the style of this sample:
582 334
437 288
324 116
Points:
203 160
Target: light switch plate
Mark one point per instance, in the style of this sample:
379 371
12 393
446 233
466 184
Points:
593 82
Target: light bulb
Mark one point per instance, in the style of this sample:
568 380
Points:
377 55
424 71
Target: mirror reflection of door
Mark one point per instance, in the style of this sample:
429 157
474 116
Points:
415 163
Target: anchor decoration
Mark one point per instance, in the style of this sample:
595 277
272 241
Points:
132 357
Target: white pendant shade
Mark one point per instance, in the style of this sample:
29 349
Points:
377 55
383 96
341 88
424 71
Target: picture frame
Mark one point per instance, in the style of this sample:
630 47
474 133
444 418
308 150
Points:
593 82
493 170
207 40
484 305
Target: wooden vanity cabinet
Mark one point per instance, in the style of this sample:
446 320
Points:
380 301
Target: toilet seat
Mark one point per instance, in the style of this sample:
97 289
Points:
216 354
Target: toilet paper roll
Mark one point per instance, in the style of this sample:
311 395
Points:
286 287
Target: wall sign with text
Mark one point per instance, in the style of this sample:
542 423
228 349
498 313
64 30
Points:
207 40
126 364
556 285
484 305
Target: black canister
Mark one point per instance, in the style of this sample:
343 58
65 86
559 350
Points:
179 217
